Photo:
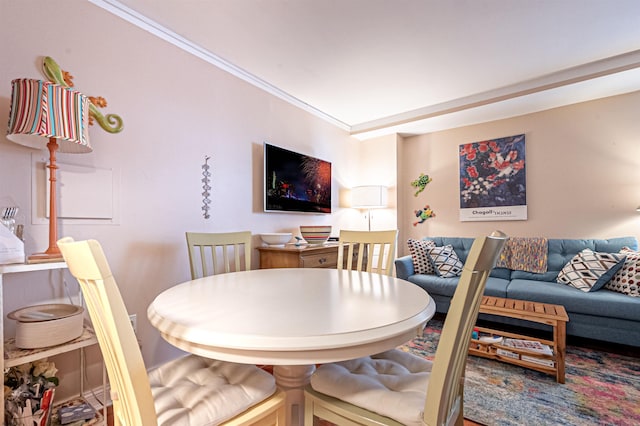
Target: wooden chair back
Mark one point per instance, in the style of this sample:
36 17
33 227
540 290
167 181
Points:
216 253
376 250
443 405
133 402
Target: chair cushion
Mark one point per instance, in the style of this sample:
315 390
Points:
392 384
192 390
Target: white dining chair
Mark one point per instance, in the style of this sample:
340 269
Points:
216 253
399 388
189 390
370 251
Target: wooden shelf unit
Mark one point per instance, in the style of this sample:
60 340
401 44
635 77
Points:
490 350
543 313
14 356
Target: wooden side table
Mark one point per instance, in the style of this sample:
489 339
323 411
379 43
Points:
543 313
291 256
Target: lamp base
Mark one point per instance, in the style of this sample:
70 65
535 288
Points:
45 258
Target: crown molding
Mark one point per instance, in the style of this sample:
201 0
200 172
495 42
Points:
570 76
410 121
143 22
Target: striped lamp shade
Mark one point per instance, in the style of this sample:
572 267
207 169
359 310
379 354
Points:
44 109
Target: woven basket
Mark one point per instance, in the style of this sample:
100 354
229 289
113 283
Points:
41 326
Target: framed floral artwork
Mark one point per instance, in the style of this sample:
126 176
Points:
493 180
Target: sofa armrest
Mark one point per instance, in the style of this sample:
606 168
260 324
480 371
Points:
404 267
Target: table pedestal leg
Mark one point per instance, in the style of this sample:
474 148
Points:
292 379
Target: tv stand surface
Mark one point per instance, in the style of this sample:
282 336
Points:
304 256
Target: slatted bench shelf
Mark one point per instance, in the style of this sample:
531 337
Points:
543 313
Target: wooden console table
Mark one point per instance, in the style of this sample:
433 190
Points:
292 256
543 313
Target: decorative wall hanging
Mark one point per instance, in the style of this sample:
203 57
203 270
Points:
112 123
424 214
206 187
493 180
420 183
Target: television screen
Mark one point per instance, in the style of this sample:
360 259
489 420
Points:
295 182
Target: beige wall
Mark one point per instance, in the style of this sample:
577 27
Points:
581 160
176 109
582 173
378 158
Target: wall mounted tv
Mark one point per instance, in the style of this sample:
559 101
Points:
295 182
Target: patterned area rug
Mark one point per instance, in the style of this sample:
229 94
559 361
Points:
600 389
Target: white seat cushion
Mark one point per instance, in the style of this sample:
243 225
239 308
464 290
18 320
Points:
392 383
198 391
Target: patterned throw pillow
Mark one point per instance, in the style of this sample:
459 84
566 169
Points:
627 279
419 250
589 270
446 261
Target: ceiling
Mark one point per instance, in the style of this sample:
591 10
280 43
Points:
376 67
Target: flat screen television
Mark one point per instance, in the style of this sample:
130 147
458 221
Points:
295 182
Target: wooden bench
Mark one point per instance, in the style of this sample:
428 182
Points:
543 313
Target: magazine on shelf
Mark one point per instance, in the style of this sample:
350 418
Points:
529 345
508 354
541 361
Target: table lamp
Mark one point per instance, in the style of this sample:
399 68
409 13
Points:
41 109
369 197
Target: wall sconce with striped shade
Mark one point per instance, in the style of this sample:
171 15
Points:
39 110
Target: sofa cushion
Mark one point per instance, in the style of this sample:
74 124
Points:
419 250
603 303
627 279
435 285
589 270
462 247
446 261
561 251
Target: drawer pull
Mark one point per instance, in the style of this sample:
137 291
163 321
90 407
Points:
322 260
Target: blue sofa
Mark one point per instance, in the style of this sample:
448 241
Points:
602 315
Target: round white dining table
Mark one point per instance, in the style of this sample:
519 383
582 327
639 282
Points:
292 319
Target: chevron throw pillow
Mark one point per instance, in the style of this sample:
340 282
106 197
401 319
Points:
589 270
446 261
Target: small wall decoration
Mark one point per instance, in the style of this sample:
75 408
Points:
493 180
420 183
206 187
112 123
424 214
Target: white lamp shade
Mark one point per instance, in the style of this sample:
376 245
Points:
369 197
